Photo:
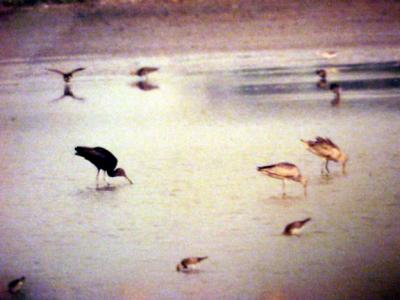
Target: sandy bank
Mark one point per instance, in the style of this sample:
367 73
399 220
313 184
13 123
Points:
169 27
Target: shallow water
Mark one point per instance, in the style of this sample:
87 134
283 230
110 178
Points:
192 146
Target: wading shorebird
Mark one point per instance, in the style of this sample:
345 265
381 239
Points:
294 228
284 171
144 71
66 75
328 150
185 263
335 88
322 83
103 160
15 286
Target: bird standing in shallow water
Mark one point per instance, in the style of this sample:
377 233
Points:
284 171
335 88
294 228
15 286
322 83
326 149
186 262
103 160
66 75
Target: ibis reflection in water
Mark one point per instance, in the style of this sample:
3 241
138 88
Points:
328 150
103 160
284 171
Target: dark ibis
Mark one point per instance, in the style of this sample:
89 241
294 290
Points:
284 171
103 160
295 227
185 263
66 75
15 286
329 151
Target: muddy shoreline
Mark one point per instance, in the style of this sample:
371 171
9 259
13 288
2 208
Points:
173 27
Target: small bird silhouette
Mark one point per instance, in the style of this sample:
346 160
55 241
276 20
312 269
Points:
322 83
189 261
15 286
294 228
68 93
144 71
284 171
328 150
103 160
335 88
66 75
144 85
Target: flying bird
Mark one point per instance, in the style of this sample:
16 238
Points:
66 75
144 71
294 228
15 286
328 150
335 88
284 171
103 160
186 262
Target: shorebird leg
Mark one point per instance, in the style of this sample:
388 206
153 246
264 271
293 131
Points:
283 189
326 166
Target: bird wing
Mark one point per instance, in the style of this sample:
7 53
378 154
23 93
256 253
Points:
76 70
283 169
56 71
100 157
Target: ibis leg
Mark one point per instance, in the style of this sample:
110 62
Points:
97 178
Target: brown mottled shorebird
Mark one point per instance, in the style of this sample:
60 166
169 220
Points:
328 150
322 83
103 160
144 71
294 228
66 75
15 286
186 262
284 171
335 88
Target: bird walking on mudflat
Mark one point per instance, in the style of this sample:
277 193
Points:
15 286
103 160
144 71
328 150
189 261
295 227
66 75
284 171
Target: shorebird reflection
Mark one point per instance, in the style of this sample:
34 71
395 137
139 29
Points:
68 93
144 85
